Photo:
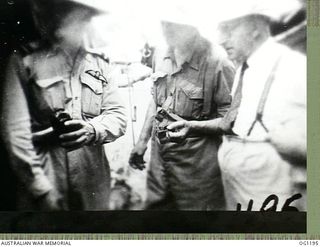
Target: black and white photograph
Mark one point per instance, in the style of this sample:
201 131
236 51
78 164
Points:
149 107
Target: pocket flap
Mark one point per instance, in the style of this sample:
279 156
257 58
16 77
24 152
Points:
193 92
94 84
44 83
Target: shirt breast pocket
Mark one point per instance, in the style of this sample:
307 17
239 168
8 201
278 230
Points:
189 102
49 92
92 90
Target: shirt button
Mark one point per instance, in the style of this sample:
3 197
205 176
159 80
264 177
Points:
76 98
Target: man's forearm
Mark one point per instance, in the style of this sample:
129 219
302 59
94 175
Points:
146 131
16 132
206 127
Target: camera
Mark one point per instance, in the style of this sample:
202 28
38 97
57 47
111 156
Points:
58 120
163 135
165 118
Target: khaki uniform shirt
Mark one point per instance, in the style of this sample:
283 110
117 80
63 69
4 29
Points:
190 171
40 84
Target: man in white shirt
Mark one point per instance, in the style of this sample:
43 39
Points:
263 155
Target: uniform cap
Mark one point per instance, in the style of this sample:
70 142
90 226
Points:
184 12
276 10
228 10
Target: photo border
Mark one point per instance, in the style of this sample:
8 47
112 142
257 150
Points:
313 171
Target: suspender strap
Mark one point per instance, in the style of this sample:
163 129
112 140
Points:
263 99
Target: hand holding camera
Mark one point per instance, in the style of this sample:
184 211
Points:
171 127
72 134
179 131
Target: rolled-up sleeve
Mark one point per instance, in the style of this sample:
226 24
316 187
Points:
225 77
16 126
112 122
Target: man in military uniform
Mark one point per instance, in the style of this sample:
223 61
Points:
59 107
191 82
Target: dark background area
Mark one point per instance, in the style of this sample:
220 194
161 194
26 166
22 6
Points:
17 30
153 222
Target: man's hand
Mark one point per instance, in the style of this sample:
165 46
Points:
136 157
51 201
84 134
179 131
